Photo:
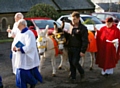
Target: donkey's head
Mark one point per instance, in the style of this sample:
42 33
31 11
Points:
59 35
42 40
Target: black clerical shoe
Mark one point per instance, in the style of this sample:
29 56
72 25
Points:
106 75
1 86
71 80
82 78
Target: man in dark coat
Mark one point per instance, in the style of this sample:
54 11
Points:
77 42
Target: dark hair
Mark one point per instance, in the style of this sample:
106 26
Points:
75 14
109 19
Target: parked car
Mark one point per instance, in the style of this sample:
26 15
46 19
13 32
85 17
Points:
83 18
41 23
103 15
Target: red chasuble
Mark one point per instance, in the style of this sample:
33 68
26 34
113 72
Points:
119 45
106 56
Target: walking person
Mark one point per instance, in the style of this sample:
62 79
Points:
12 33
27 58
77 42
108 47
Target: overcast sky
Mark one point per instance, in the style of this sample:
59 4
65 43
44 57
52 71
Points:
106 1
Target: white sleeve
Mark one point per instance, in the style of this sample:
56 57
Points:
115 42
15 29
118 26
29 42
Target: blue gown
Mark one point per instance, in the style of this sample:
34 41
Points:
1 85
24 77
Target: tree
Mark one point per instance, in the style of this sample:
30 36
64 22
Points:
42 10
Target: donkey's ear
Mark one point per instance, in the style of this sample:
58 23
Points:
55 25
46 29
38 31
55 28
62 25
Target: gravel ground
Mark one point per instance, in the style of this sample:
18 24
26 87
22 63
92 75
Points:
93 78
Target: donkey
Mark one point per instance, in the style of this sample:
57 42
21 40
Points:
48 48
92 49
58 35
92 43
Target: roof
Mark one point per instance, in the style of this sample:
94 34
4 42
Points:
107 6
112 12
8 6
107 12
37 18
74 4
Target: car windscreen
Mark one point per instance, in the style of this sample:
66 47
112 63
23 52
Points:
29 23
91 20
117 16
42 23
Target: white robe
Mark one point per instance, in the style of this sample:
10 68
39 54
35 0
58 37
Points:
107 71
14 31
118 26
30 58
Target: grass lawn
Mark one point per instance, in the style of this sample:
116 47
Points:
5 40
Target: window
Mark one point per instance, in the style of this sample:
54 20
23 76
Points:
29 23
94 14
101 16
117 16
92 20
4 25
42 23
110 16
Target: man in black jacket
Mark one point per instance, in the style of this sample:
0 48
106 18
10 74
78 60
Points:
77 42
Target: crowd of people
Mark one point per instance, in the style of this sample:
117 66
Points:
107 44
25 59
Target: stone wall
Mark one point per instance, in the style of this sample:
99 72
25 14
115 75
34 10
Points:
3 35
5 20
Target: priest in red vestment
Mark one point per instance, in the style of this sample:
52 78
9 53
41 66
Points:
108 47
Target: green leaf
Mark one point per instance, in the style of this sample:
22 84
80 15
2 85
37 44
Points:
89 21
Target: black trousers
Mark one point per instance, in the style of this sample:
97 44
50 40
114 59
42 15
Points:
74 57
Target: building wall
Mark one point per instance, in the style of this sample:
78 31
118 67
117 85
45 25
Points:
5 20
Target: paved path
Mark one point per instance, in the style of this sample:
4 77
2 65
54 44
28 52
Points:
93 78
